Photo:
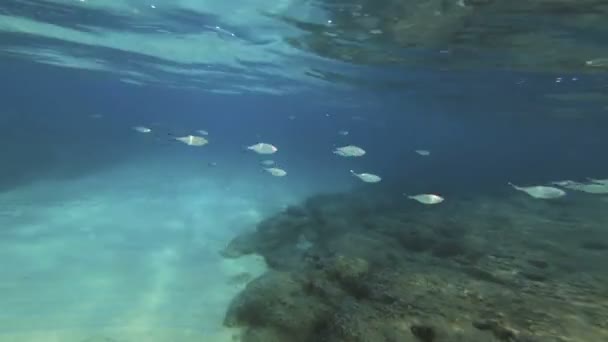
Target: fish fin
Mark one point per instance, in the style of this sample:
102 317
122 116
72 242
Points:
172 137
516 187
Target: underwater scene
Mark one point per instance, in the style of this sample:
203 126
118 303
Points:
303 171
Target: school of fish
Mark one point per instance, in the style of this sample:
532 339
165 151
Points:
545 192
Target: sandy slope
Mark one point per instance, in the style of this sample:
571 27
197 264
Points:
129 254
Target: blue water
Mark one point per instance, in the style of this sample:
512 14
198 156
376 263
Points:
109 234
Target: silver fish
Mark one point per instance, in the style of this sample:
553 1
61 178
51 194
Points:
275 171
367 177
263 148
427 198
349 151
192 140
142 129
540 191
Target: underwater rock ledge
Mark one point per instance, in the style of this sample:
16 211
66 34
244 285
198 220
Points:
346 268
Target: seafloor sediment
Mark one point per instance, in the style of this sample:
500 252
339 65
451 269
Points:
362 269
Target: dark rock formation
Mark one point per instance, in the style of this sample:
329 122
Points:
371 272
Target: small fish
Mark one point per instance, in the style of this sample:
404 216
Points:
366 177
267 162
142 129
349 151
540 191
263 148
599 181
427 198
291 117
275 171
423 152
597 63
343 133
202 132
591 188
192 140
598 189
212 164
563 183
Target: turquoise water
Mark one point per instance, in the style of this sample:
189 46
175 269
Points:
113 229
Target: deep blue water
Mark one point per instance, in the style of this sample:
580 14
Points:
488 132
110 234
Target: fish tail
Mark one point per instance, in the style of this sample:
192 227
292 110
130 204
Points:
514 186
172 137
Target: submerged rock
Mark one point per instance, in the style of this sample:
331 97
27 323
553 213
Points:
350 273
277 304
416 241
262 334
296 211
385 274
534 276
595 245
348 270
538 263
241 245
449 248
424 333
499 330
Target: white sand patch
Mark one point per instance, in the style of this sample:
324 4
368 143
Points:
130 254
